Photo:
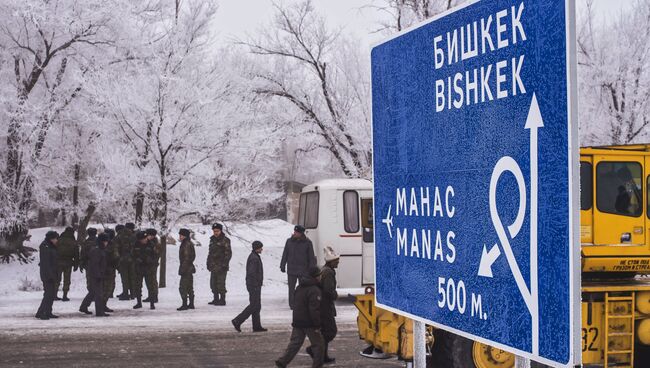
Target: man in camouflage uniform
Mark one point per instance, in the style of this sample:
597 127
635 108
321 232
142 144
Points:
219 257
152 277
112 263
124 242
144 259
68 257
186 270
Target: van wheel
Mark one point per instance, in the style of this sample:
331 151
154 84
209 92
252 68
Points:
453 351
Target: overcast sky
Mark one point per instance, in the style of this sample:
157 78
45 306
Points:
237 18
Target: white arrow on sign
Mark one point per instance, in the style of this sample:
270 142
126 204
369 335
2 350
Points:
534 122
487 259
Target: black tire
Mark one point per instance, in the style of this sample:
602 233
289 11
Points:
451 351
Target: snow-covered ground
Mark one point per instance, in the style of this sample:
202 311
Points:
17 308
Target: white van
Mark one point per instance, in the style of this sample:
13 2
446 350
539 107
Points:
339 213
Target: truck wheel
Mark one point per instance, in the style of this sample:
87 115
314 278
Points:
453 351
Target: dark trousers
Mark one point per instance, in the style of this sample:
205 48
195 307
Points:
295 343
64 273
95 294
253 308
292 280
49 293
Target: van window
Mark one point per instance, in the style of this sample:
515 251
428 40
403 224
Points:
586 186
351 211
619 188
308 212
367 220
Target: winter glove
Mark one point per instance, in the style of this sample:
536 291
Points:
283 270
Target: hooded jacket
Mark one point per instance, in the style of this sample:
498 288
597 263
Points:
48 261
298 256
306 307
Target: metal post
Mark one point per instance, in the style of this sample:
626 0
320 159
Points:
522 362
419 345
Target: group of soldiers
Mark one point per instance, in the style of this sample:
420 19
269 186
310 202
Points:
135 254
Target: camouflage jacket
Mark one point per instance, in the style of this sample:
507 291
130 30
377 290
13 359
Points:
186 256
67 250
144 257
124 241
219 254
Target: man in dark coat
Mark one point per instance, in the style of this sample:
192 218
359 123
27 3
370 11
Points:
297 258
254 281
112 264
306 320
152 277
95 274
327 307
124 242
68 258
144 258
186 270
218 263
48 270
86 246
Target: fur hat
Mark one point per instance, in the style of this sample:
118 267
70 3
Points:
184 232
257 245
314 271
103 237
140 235
91 231
299 228
330 254
119 228
130 226
151 232
51 235
217 226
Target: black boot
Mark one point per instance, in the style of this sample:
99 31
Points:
65 297
124 296
139 305
107 309
222 299
184 306
152 305
147 300
85 310
215 299
191 305
56 297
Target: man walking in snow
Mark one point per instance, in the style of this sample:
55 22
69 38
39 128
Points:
306 320
47 265
112 263
68 257
327 307
186 270
219 256
95 274
254 281
297 258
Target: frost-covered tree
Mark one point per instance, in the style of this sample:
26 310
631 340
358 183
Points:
401 14
319 78
46 46
614 76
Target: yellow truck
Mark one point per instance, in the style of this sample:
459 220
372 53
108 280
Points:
615 249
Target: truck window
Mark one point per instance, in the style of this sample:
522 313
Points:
308 212
367 220
586 186
351 211
619 188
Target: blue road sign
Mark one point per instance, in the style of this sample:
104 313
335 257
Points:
475 158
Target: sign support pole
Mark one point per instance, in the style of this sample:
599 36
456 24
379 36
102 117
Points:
419 345
521 362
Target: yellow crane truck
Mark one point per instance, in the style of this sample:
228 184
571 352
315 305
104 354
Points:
615 249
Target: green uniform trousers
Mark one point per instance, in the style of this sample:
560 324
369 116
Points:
152 282
186 286
218 281
127 273
64 275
